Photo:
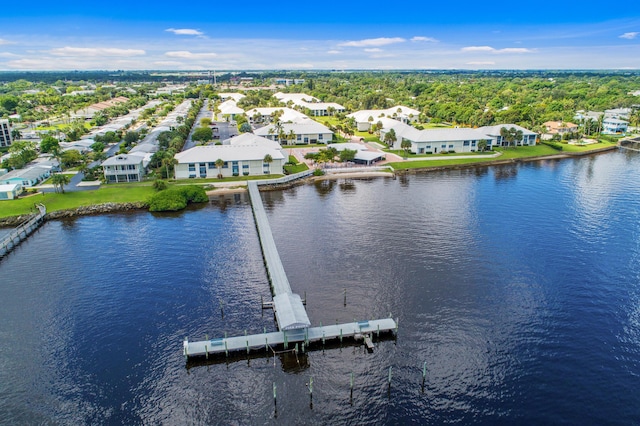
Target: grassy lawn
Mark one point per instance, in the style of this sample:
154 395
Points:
368 137
300 167
331 120
507 153
586 148
70 200
401 153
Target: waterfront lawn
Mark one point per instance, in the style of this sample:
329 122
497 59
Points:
296 168
507 154
71 200
586 148
401 153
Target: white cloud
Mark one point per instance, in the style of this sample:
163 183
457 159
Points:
419 38
381 41
8 55
3 42
630 36
478 49
481 63
185 54
185 31
95 51
373 50
334 52
490 49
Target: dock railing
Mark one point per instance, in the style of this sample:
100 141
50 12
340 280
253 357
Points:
23 230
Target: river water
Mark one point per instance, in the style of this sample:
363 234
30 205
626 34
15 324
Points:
518 286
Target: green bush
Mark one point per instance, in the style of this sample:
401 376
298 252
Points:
554 145
159 185
167 201
177 198
318 172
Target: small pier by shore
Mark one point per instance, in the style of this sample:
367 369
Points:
291 316
15 237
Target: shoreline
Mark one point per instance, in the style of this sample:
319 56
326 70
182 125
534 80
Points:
12 221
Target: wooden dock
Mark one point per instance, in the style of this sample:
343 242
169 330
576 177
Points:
20 233
288 307
287 339
291 316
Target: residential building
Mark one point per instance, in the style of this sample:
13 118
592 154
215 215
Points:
614 126
235 96
27 177
124 168
91 110
302 132
10 191
367 118
560 127
288 81
239 160
363 155
265 115
230 109
5 133
307 102
619 113
433 141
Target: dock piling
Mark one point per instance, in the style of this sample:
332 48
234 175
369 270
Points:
345 297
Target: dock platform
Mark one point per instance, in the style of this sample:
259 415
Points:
291 316
285 339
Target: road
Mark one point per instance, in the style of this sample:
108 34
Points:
204 112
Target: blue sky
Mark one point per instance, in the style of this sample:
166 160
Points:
331 34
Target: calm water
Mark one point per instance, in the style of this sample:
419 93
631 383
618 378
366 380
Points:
519 287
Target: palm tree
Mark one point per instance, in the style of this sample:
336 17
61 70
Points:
219 165
390 137
278 129
169 161
268 159
59 181
406 146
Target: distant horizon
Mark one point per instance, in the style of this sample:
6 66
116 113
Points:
372 35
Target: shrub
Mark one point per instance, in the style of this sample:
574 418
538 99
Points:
554 145
318 172
159 185
177 198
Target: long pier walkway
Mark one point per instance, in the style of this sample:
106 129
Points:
291 315
19 234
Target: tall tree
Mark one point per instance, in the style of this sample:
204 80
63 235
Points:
390 137
59 180
268 159
219 165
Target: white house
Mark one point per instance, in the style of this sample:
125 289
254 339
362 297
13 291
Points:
235 96
124 168
239 160
229 109
619 113
297 133
265 115
433 141
316 108
10 191
614 125
368 117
